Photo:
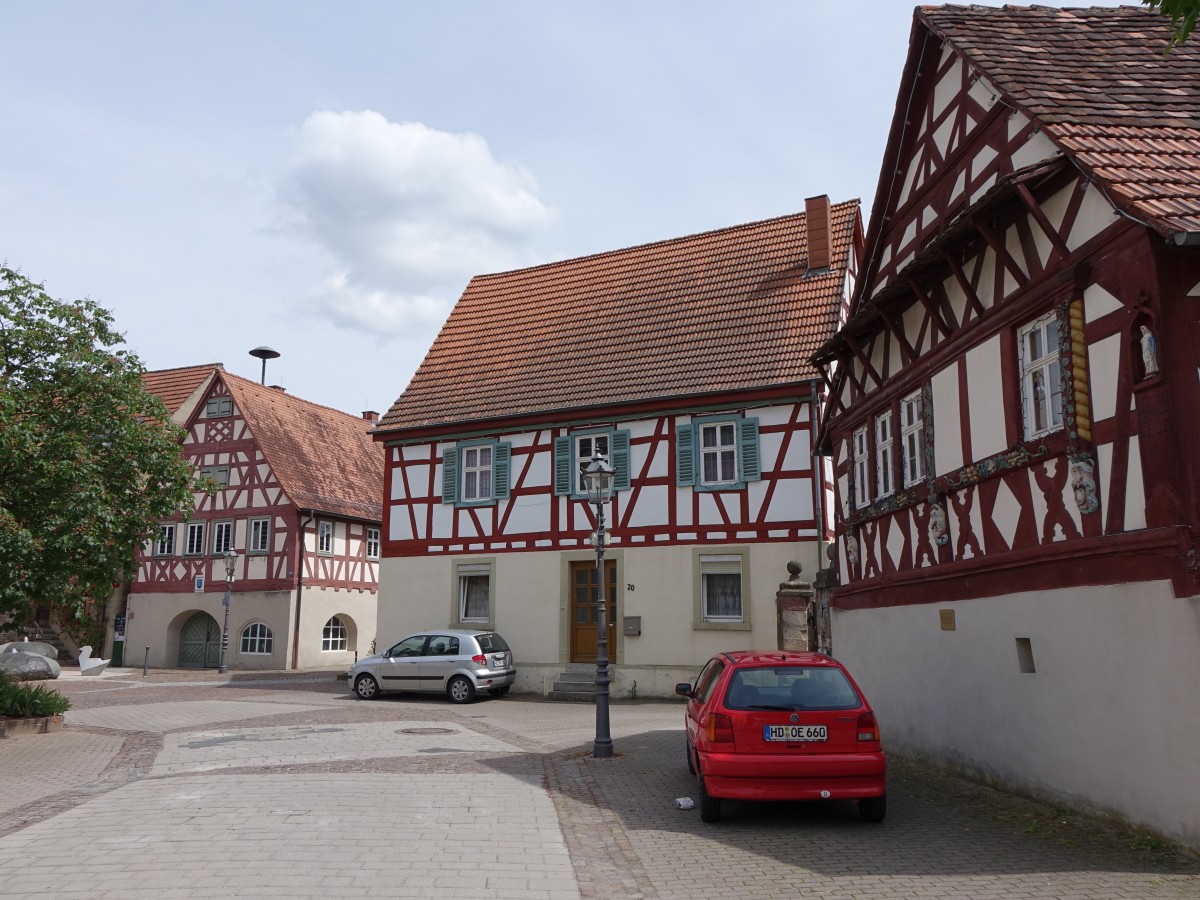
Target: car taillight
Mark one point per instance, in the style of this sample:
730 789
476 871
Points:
867 730
479 659
720 729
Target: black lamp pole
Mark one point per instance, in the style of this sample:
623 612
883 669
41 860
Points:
230 558
599 479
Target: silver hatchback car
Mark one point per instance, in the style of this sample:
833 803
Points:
456 662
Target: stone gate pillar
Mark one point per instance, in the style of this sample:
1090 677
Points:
792 603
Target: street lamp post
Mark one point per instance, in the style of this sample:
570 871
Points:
599 479
230 557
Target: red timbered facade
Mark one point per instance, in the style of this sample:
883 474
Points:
693 385
1012 406
294 492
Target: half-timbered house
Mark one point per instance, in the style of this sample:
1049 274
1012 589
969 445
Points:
298 497
684 363
1015 415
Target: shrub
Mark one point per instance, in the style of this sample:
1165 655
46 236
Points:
21 700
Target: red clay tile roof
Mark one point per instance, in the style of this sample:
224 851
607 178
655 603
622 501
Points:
725 310
174 386
324 458
1099 83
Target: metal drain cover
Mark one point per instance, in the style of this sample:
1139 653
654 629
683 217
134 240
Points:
425 731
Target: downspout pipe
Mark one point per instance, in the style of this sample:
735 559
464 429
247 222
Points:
1186 238
312 514
819 466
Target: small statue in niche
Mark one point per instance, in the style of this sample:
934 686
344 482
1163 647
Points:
1083 484
851 551
1149 353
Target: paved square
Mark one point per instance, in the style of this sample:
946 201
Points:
329 835
162 717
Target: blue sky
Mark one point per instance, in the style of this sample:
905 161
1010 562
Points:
325 179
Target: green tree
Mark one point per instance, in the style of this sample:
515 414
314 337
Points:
89 462
1182 13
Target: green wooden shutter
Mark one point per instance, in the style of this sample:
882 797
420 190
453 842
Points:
618 444
501 454
748 456
562 465
685 455
450 475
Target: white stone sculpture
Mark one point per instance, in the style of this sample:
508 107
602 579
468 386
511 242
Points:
89 666
1149 352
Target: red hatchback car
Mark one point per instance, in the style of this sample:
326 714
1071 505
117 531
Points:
778 725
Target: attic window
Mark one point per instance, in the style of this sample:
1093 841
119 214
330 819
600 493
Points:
218 406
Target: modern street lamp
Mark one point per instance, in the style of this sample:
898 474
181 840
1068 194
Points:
230 557
599 479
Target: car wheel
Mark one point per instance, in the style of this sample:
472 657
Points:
688 747
366 687
460 690
710 807
873 809
500 691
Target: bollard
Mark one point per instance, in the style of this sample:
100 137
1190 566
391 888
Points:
146 663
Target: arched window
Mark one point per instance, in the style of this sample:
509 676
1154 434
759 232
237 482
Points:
334 635
256 638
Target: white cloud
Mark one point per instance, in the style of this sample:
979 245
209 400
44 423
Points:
407 213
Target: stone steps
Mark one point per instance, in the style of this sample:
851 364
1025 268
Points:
575 684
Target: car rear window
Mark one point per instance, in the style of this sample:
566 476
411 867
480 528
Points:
791 687
491 643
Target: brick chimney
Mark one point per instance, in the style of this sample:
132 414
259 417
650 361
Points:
371 416
816 223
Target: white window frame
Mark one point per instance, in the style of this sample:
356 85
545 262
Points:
194 544
720 451
258 539
324 537
164 544
477 476
373 535
862 469
885 469
585 447
222 536
722 564
466 573
1046 369
334 636
260 642
912 438
218 407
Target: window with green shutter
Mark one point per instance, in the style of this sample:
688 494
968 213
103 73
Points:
574 452
717 453
476 472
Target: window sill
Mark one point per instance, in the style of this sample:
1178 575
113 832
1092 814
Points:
720 626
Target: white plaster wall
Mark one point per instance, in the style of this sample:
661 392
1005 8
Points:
1109 717
357 609
531 609
1104 363
947 448
986 392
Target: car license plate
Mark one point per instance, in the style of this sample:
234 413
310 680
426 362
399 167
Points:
497 662
794 733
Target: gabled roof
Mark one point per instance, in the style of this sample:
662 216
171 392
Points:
323 458
174 386
1099 83
726 310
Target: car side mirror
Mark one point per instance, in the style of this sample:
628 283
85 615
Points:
683 689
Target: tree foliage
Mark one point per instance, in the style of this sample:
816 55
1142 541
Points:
89 461
1182 13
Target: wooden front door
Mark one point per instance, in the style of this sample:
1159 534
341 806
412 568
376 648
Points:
200 643
585 610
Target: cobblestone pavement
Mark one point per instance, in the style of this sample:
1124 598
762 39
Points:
185 784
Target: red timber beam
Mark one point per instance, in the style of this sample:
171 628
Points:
1001 251
930 307
856 349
